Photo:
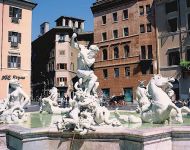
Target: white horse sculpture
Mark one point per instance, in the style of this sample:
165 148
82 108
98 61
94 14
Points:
161 105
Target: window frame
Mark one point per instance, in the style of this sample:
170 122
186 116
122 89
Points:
104 39
104 21
115 34
124 16
142 25
113 17
116 74
125 32
16 63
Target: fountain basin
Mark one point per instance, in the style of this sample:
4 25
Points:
165 138
45 136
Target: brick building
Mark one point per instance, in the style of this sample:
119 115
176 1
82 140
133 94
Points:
173 27
15 43
54 60
124 31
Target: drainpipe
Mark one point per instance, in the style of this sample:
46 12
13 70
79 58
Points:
2 20
179 26
157 44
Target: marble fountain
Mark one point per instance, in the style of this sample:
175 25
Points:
156 124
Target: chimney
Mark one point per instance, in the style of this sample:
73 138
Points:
44 27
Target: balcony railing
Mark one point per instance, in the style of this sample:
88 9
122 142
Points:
14 44
15 20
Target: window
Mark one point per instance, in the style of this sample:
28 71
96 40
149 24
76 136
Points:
15 13
141 10
149 29
126 31
61 38
51 66
150 56
72 66
171 6
106 92
14 38
62 52
66 22
172 25
126 51
105 54
188 3
125 14
61 66
116 72
115 34
151 70
105 73
127 71
188 55
188 21
148 9
143 52
128 93
142 28
115 17
14 62
116 52
174 58
62 81
73 23
104 36
103 19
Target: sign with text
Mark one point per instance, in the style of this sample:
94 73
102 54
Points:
9 77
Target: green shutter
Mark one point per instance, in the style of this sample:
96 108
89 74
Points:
20 13
19 37
9 60
9 37
10 11
18 62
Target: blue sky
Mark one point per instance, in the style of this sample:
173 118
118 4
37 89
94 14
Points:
50 10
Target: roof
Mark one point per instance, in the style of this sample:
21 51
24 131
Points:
67 17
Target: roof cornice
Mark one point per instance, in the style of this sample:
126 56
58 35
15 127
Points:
108 4
20 3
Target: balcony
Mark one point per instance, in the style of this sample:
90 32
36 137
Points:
15 20
62 85
14 44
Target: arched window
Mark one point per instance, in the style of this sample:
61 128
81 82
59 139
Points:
116 52
105 54
126 51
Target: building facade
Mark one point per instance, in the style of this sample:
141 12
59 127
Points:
54 59
15 43
173 26
124 31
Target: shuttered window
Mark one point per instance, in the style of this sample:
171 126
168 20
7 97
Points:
14 38
14 62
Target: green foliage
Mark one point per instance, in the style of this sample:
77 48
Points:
185 64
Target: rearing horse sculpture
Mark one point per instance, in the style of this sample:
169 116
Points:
161 105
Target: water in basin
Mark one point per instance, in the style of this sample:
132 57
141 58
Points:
38 120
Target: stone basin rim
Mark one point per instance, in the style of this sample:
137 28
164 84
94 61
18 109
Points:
140 135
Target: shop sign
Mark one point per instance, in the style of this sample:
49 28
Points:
9 77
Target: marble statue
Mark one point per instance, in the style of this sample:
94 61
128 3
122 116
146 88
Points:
86 111
50 104
160 106
12 108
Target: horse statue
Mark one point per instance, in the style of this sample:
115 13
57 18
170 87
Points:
161 105
50 104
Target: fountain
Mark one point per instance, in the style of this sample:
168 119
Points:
87 125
